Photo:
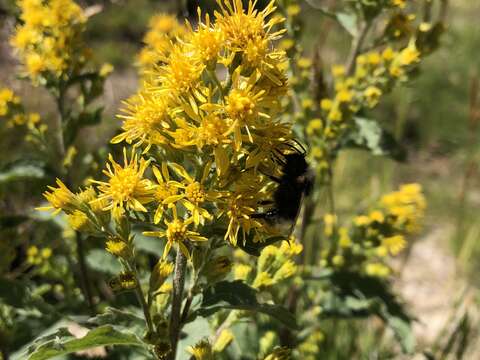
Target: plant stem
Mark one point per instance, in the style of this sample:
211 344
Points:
178 285
141 300
357 47
84 279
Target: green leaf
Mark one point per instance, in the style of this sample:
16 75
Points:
356 295
368 135
21 171
62 342
149 244
118 316
348 22
236 295
100 260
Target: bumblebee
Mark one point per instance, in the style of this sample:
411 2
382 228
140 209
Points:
295 182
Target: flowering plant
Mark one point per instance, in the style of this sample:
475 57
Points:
204 143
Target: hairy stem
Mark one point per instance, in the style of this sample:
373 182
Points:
178 285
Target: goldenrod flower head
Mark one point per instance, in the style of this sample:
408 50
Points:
177 233
372 95
223 340
60 198
287 270
399 3
117 247
126 188
207 42
267 257
330 221
410 55
394 244
180 75
344 239
163 190
195 195
79 221
263 280
145 119
241 271
202 350
377 270
247 31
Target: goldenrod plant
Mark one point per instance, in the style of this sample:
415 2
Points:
205 260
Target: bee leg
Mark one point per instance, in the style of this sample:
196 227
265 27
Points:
273 178
268 216
265 202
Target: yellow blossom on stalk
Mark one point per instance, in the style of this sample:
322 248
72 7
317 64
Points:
177 233
179 77
409 55
207 42
394 244
126 188
163 190
241 271
399 3
372 95
60 198
116 247
330 221
194 194
377 269
164 30
202 350
249 32
145 119
48 41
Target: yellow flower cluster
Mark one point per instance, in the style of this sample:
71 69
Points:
163 31
375 74
12 110
274 265
35 256
378 234
48 41
212 102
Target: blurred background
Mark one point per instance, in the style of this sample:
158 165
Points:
437 117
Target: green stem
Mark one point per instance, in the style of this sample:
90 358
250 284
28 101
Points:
357 47
178 285
84 279
141 300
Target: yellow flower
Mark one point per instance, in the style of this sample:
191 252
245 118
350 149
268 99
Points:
394 244
194 194
177 233
180 76
338 70
330 221
249 32
126 188
163 190
117 247
202 350
207 42
60 198
377 269
293 10
372 95
146 117
241 271
409 55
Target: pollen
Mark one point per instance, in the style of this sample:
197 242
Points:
123 184
163 191
240 104
195 193
176 231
